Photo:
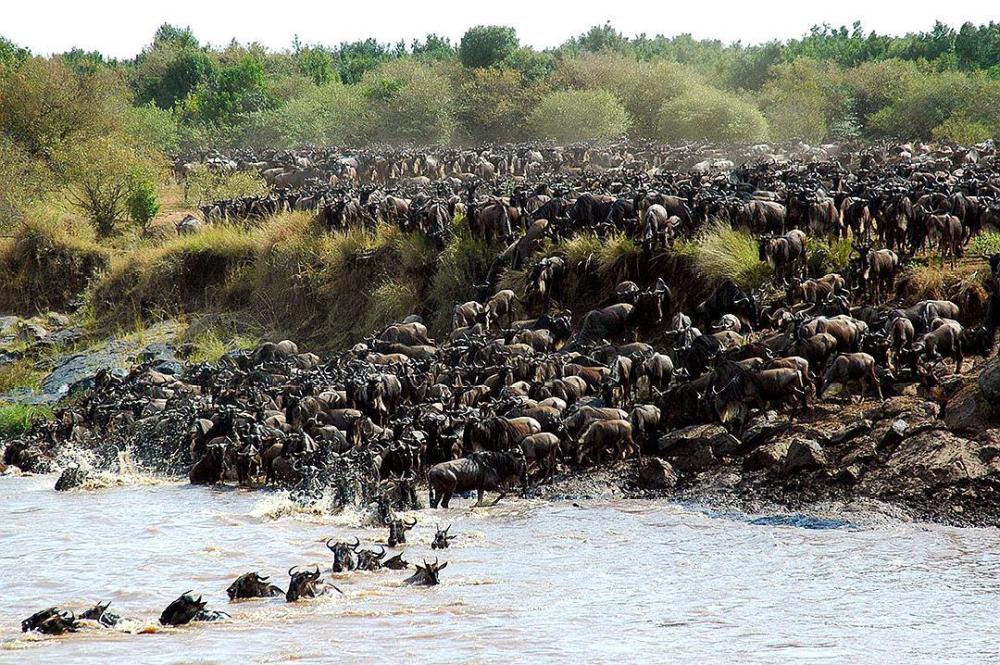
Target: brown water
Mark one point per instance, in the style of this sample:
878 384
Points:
531 583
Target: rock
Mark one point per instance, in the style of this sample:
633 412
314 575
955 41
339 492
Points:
656 474
767 457
989 381
762 429
58 320
696 448
64 337
71 478
32 333
861 450
895 434
852 431
850 475
926 461
962 413
803 454
8 324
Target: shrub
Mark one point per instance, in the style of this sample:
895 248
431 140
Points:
986 243
142 202
203 185
703 113
578 115
487 45
331 114
410 103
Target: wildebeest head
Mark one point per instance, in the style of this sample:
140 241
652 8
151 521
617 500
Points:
51 621
303 584
102 615
344 557
252 585
441 539
396 563
398 529
369 559
427 574
183 610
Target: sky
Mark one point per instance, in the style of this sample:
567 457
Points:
121 28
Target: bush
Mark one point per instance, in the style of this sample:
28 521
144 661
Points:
725 253
154 128
331 114
487 45
410 103
703 113
494 104
578 115
203 185
142 202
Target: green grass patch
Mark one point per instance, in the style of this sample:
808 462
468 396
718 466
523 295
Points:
724 253
16 419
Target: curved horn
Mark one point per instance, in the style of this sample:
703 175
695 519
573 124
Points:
357 543
329 546
290 573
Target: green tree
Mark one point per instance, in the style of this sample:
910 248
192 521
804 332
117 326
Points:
142 202
578 115
434 47
331 114
11 53
167 75
239 90
487 45
316 63
410 104
153 128
493 104
703 113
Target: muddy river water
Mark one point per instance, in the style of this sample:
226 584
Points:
633 581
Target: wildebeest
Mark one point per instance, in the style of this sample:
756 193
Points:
51 621
397 530
186 609
441 538
102 615
604 434
483 471
850 368
344 557
543 449
252 585
305 584
426 575
784 254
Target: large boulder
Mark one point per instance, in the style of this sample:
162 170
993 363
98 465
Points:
804 455
698 447
926 461
656 474
769 456
989 381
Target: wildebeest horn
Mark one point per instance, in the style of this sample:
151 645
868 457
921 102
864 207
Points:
411 524
290 573
328 546
447 529
357 543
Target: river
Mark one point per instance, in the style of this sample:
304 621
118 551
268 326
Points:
649 581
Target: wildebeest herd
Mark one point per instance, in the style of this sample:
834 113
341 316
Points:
302 584
520 389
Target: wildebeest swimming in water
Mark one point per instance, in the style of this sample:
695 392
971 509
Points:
306 584
398 529
51 621
441 539
186 609
102 615
479 471
426 575
396 563
344 555
252 585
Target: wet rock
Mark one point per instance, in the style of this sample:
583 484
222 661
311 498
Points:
698 447
768 456
850 432
71 478
803 454
762 429
656 474
927 461
860 451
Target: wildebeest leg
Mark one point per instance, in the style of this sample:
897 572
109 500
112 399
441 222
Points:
446 499
501 495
